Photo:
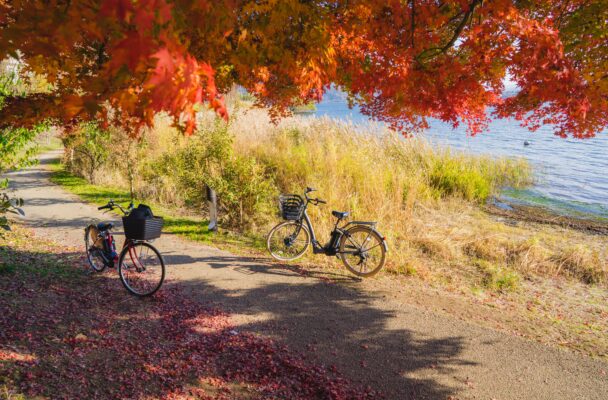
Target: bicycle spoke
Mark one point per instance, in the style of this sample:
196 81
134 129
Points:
94 254
374 246
357 245
366 239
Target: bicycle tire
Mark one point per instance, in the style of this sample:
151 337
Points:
369 233
123 267
88 247
274 231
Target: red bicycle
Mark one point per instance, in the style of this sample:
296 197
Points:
140 265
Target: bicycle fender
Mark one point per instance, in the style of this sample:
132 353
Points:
383 240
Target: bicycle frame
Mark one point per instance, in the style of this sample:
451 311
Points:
316 246
109 239
332 247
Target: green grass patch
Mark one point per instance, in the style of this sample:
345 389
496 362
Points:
99 195
497 278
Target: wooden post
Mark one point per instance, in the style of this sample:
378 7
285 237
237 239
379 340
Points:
212 199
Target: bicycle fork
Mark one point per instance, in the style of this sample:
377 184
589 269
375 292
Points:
139 266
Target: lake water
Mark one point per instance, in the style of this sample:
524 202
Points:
571 176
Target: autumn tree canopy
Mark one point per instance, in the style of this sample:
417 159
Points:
402 61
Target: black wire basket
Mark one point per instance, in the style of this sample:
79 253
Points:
291 206
143 228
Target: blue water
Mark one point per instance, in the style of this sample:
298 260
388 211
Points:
571 175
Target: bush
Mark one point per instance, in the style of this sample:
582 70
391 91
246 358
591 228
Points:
16 144
245 191
88 148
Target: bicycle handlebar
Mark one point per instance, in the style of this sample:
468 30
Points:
317 201
311 200
111 205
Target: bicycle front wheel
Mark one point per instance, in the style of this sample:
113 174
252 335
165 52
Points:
288 241
362 251
141 269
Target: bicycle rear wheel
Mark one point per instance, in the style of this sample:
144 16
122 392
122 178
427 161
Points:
93 244
141 269
362 251
288 241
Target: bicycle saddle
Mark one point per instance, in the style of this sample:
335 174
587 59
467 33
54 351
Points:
105 226
340 214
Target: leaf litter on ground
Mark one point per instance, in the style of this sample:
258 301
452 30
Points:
67 334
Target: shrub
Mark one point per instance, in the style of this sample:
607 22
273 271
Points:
88 147
16 144
245 190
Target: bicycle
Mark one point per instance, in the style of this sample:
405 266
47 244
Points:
358 244
141 267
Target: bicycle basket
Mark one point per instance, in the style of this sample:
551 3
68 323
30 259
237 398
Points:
143 228
291 206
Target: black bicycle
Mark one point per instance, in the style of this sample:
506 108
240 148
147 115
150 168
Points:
140 265
358 244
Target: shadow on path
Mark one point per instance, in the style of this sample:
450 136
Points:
338 325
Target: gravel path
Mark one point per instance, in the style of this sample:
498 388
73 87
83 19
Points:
405 351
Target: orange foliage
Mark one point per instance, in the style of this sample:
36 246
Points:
401 61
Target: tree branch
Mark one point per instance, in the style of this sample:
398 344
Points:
461 26
413 22
463 22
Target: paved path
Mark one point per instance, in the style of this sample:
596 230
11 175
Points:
390 345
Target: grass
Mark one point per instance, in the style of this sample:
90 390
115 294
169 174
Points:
496 278
304 108
46 144
581 262
449 178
